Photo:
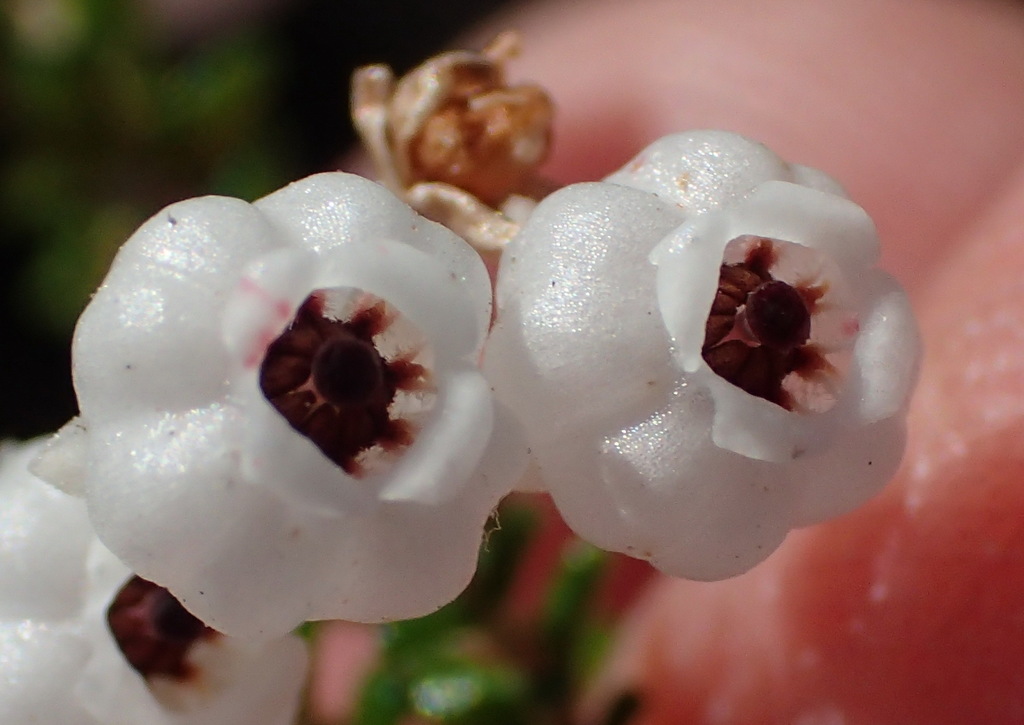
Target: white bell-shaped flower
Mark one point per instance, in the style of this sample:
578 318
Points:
282 417
79 647
703 353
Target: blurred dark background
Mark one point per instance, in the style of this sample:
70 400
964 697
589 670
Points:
112 109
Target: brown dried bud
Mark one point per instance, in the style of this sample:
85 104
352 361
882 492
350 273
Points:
489 144
455 120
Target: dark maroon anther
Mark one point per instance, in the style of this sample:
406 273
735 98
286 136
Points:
758 327
735 283
348 371
329 381
153 630
761 257
777 316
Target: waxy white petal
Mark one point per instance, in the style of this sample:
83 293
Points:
43 535
161 290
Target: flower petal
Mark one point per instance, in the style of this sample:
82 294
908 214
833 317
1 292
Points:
695 509
815 179
439 463
688 261
246 561
579 333
328 211
43 536
701 170
167 285
831 224
263 302
33 656
162 489
846 475
415 283
888 349
61 460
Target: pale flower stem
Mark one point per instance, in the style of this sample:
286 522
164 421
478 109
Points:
485 229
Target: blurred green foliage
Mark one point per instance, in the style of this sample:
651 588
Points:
101 125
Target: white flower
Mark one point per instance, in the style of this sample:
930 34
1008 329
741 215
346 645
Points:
703 353
60 660
282 417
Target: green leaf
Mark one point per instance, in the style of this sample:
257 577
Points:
468 693
408 637
565 619
384 699
500 556
307 631
569 600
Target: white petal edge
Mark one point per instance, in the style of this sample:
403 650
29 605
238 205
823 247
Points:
688 261
450 445
416 284
888 349
263 302
831 224
331 210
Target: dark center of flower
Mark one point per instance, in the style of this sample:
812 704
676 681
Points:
348 371
173 622
777 316
758 328
153 630
331 383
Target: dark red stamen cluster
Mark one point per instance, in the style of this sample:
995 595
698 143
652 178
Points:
758 328
329 381
777 316
153 630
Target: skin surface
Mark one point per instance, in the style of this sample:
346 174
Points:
910 610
